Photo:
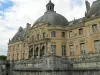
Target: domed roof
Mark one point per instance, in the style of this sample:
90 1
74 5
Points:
95 9
51 17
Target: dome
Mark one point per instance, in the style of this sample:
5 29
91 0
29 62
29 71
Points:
95 9
51 17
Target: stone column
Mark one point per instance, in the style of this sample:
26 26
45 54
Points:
33 51
39 50
48 48
45 51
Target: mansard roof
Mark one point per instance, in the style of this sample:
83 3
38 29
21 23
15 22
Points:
20 35
94 9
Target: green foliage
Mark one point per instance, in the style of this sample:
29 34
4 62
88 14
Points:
3 58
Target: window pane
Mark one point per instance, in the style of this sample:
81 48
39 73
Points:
81 31
63 50
72 50
53 47
94 28
63 34
70 34
44 34
97 45
53 34
37 36
82 48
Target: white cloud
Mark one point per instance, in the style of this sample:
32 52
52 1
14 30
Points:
24 11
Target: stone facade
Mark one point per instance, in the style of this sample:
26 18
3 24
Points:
54 46
71 39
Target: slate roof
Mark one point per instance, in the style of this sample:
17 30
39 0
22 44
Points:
95 9
52 18
20 35
76 21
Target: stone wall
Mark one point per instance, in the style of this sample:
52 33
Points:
90 61
53 65
2 68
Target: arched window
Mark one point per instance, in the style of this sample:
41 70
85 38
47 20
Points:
36 53
31 53
50 7
42 51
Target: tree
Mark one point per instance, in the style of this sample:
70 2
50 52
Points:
3 57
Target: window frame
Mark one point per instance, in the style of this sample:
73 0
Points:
95 28
63 47
83 50
53 47
98 46
44 35
53 33
63 34
70 34
81 31
72 53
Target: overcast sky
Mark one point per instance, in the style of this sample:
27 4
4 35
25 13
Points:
16 13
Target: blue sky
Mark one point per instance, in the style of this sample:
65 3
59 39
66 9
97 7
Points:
16 13
77 2
5 5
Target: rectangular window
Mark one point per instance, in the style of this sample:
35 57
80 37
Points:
38 37
82 48
81 31
63 50
53 47
17 56
97 45
94 28
32 38
53 34
24 45
63 34
70 34
71 50
44 34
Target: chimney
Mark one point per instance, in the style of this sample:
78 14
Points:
87 6
28 26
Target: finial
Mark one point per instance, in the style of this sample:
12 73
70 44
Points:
50 1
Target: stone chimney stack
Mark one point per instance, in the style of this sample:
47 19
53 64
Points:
87 6
28 26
